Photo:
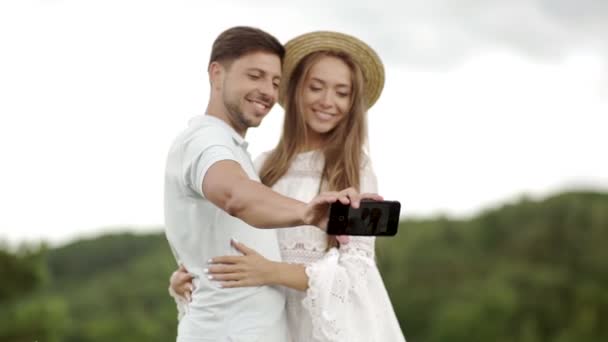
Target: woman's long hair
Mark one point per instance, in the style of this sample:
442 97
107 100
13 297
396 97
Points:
343 149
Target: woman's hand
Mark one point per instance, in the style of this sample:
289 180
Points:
251 269
181 283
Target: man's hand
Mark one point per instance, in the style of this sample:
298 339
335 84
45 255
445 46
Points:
316 212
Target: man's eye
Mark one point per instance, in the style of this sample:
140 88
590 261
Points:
254 77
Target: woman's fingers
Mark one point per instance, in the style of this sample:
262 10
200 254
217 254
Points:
179 278
226 276
181 275
218 269
188 294
184 277
241 247
235 283
181 283
227 259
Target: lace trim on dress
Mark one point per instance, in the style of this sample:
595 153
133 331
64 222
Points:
360 246
309 245
301 256
325 327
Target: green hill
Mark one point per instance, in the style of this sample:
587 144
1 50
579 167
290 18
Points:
527 271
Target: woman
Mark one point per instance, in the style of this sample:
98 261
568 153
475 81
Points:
336 293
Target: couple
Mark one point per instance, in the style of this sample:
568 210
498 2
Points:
292 284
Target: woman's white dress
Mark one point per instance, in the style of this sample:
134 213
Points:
346 299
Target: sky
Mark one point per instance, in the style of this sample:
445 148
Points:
484 102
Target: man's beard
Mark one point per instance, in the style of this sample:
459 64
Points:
236 113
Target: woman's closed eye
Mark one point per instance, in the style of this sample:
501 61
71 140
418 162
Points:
315 89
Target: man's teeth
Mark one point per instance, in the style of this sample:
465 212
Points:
259 105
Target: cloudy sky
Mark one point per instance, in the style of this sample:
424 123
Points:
484 101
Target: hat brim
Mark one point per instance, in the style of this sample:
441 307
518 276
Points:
365 57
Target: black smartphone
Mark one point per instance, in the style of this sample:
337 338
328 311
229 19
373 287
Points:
372 218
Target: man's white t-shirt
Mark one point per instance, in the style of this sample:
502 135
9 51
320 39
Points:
197 230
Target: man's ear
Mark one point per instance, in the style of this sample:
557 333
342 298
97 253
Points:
216 75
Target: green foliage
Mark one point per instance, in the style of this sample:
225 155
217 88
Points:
36 318
25 315
21 272
529 271
117 289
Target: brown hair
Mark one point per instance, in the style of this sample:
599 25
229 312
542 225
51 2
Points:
343 150
238 41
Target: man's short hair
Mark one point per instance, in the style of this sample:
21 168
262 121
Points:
238 41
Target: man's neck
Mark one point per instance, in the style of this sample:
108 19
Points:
221 114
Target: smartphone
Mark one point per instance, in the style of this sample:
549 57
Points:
372 218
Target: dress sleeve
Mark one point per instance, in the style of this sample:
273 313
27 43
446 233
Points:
346 296
369 182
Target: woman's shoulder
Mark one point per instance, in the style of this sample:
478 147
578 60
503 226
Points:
369 182
366 162
263 156
258 162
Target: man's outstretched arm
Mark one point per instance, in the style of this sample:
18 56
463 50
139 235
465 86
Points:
227 186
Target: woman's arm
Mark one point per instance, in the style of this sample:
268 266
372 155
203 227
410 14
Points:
180 284
180 288
252 269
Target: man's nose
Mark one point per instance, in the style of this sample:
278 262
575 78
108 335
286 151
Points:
268 89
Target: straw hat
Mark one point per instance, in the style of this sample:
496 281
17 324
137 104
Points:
367 59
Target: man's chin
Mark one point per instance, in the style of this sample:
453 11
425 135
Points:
255 120
251 124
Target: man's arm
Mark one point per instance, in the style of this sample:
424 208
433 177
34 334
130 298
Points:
227 186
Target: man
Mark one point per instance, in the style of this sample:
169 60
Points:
213 194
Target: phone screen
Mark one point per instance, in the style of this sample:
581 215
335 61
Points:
374 218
